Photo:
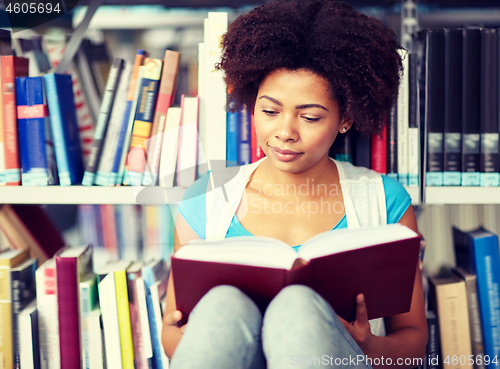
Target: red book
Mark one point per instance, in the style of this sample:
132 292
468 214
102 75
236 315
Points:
72 264
379 262
11 67
379 152
109 235
257 152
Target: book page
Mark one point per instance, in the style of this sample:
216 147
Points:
257 251
349 239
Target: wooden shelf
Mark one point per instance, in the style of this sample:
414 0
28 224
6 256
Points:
90 195
462 195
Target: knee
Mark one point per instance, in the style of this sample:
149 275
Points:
292 296
228 301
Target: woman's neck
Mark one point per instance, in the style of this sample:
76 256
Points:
323 173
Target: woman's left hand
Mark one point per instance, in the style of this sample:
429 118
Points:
360 328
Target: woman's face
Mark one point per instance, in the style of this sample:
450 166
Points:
296 120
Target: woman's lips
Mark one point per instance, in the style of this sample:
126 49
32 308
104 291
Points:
285 155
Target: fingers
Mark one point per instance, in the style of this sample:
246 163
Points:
173 318
183 328
361 311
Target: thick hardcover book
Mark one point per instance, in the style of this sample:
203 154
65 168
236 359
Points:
477 252
143 121
392 147
23 292
11 67
471 106
127 121
72 264
490 160
38 160
379 152
476 330
379 262
434 106
166 94
448 297
244 142
103 120
64 124
452 107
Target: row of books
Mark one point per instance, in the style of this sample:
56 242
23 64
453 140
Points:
130 232
459 83
81 319
464 305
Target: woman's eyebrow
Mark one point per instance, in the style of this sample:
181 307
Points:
307 106
303 106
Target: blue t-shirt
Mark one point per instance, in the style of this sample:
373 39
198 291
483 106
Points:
193 207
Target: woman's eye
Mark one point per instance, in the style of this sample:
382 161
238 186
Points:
310 120
269 112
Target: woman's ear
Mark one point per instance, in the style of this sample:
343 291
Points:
346 124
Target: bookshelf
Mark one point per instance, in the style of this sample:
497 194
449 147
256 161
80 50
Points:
143 195
456 195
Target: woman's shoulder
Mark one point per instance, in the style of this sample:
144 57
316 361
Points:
397 199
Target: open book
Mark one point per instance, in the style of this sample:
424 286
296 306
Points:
379 262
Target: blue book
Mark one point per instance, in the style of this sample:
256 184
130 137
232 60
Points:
232 138
152 272
244 144
38 160
477 253
64 124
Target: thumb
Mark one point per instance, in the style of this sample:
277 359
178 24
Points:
361 310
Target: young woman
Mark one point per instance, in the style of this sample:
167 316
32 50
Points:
308 70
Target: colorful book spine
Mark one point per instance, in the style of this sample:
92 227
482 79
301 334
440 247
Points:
489 160
38 161
3 176
64 128
144 321
104 170
244 144
471 92
143 121
452 175
392 147
166 94
122 305
23 292
127 121
232 137
102 121
11 67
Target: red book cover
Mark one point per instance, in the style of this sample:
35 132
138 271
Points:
72 263
384 272
110 237
379 152
11 67
257 152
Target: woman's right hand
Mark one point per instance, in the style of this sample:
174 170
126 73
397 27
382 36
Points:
172 319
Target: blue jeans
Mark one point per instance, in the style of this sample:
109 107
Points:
299 328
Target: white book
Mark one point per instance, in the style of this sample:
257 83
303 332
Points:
403 122
29 348
48 315
215 114
107 302
169 148
188 142
87 287
93 322
201 107
103 177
